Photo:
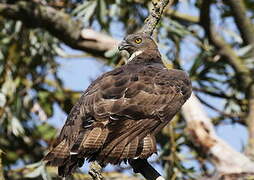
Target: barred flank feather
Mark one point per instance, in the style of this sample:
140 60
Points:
149 146
58 155
132 149
115 154
129 144
90 141
95 139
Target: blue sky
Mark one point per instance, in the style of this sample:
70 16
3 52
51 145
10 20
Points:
77 74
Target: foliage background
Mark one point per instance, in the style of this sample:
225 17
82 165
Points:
211 40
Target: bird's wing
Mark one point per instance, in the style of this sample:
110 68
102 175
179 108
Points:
118 107
140 103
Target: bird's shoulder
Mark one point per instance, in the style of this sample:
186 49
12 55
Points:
138 84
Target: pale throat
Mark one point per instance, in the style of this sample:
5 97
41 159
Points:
135 54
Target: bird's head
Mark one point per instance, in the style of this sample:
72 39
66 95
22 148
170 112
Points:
136 44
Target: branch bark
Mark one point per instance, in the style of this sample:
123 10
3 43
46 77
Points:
60 25
155 16
199 126
181 16
95 171
250 123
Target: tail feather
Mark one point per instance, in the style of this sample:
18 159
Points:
113 152
118 150
132 148
132 131
75 148
90 141
149 146
106 145
95 139
70 165
58 154
140 148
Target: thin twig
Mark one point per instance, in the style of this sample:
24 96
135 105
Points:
59 24
95 171
233 116
243 22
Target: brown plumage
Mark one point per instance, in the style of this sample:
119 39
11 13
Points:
119 114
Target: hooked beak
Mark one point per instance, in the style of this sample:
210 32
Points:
123 45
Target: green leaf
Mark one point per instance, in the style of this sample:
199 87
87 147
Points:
16 127
12 156
102 12
6 40
86 10
81 7
43 95
197 63
244 50
33 165
90 11
46 131
233 34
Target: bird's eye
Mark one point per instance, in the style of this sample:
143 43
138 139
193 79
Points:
138 40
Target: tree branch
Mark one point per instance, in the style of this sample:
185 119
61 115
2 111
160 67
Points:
243 23
229 115
95 171
181 16
60 25
250 123
202 133
155 16
20 173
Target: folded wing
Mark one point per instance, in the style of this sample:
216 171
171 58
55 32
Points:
118 115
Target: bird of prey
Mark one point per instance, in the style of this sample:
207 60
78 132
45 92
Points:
117 117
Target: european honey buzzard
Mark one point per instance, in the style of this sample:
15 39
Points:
119 114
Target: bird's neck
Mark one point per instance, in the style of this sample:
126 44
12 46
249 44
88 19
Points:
145 56
135 54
